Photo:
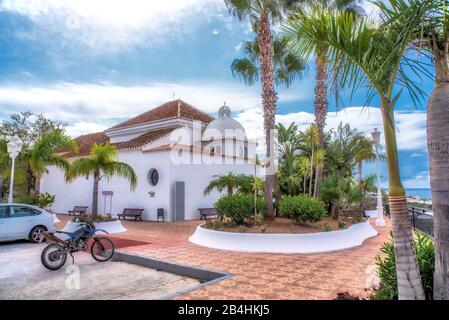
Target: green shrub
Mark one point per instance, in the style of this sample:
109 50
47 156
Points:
386 264
25 199
214 224
96 218
238 207
45 199
302 209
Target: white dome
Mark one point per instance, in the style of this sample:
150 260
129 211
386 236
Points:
224 126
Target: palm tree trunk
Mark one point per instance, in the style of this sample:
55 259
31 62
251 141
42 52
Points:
438 148
1 189
315 187
360 164
29 178
409 279
37 186
320 102
95 194
230 190
311 172
269 105
304 189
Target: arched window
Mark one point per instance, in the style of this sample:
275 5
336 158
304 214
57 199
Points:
212 151
245 150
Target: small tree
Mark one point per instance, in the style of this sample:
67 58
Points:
230 181
101 163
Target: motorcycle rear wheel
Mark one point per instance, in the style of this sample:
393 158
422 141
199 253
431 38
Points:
53 257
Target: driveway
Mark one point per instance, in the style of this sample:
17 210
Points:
22 276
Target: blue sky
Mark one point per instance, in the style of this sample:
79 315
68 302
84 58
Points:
95 63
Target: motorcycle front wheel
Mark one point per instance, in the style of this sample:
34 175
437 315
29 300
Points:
102 249
53 257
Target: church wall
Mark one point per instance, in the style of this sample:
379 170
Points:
197 177
79 192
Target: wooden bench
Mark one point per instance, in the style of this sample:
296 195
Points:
207 212
78 210
128 212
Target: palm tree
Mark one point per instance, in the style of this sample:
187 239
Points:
364 151
262 14
320 157
310 138
321 62
287 139
44 152
339 191
4 166
287 67
303 166
102 162
289 176
368 55
230 181
432 38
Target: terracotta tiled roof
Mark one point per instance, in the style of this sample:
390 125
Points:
144 139
169 110
85 143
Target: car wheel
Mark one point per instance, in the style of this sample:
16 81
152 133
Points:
35 233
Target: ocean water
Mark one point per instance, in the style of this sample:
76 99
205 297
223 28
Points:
423 194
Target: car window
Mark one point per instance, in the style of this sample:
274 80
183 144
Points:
4 211
19 211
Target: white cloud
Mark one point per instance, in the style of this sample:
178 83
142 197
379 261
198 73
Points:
80 128
371 9
215 32
106 25
88 107
238 46
411 125
421 180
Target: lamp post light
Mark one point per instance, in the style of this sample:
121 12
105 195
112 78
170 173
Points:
380 212
14 147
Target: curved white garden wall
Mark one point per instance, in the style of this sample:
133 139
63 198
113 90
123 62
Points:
284 243
111 227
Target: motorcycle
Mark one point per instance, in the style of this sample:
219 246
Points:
54 256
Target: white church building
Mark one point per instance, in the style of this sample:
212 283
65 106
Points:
175 150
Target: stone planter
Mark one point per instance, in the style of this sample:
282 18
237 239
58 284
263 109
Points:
284 243
110 226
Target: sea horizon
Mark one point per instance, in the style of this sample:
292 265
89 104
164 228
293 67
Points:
422 193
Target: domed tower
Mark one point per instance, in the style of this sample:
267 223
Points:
225 135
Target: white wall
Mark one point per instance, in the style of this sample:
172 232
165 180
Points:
79 192
197 177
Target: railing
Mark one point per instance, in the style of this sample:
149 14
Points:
420 220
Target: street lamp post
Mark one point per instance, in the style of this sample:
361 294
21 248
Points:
14 147
380 212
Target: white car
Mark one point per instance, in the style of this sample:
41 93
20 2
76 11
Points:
22 221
